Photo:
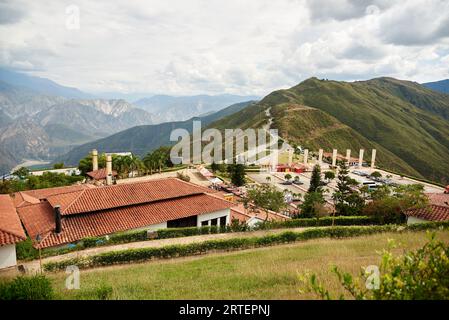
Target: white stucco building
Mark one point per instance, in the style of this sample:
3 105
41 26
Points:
11 232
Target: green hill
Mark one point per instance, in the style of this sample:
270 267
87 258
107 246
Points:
142 139
406 122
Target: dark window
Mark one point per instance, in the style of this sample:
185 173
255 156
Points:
222 221
205 223
214 222
183 222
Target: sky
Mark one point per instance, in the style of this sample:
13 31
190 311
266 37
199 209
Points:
249 47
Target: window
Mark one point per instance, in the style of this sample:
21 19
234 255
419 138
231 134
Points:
223 221
214 222
183 222
205 223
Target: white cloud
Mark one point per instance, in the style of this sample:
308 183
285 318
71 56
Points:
211 46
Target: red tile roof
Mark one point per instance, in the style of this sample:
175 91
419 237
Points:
11 230
24 198
39 219
121 195
437 210
100 174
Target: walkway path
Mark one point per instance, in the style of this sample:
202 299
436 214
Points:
33 266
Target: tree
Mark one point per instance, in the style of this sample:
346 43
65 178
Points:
288 177
214 167
348 201
266 197
268 179
85 164
158 159
376 174
59 165
329 175
22 172
313 205
237 173
390 206
315 180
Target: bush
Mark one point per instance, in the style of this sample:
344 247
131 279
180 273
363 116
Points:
26 251
27 288
321 222
127 237
191 231
173 251
417 275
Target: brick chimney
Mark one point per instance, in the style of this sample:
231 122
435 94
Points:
58 224
94 160
108 170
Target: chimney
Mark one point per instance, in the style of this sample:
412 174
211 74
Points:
58 226
94 160
108 170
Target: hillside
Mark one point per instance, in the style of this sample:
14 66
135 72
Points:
142 139
40 85
39 126
168 108
441 86
404 120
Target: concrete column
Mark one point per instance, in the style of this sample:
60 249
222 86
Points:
320 157
362 151
334 157
94 160
373 158
348 157
108 170
306 156
290 156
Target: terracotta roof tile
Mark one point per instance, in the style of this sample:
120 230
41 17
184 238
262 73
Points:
11 230
28 197
430 213
120 195
39 219
100 174
438 199
437 210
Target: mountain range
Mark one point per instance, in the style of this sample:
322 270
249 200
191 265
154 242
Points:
441 86
406 122
167 108
143 139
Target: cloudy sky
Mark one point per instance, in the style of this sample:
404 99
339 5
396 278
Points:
215 46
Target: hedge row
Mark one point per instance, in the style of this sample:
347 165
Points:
325 221
145 254
25 250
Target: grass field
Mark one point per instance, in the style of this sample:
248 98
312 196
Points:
267 273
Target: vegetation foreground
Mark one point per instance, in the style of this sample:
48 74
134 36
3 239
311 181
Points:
265 273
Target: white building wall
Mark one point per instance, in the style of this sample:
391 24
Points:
414 220
213 215
8 256
153 227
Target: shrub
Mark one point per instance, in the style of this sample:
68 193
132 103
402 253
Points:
143 254
313 222
127 237
27 288
422 274
26 251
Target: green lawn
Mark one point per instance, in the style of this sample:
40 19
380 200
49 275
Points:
267 273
